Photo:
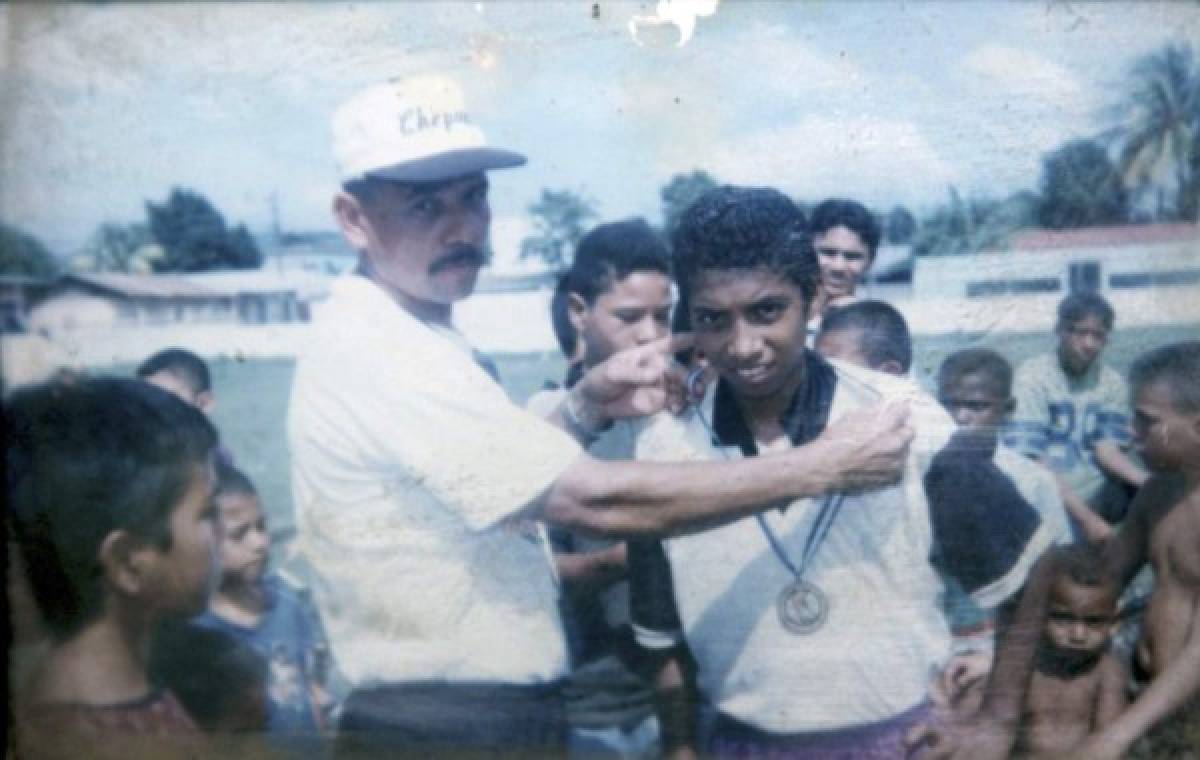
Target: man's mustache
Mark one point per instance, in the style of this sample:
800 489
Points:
458 255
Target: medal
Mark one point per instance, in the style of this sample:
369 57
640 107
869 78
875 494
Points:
802 607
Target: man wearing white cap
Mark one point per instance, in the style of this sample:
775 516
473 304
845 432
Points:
417 480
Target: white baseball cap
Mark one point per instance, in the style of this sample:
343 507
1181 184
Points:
412 130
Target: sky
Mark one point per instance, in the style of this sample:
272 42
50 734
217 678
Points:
107 105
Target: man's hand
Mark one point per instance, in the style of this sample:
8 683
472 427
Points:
633 383
868 447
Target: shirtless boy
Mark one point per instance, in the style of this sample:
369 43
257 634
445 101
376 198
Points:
1078 684
1163 528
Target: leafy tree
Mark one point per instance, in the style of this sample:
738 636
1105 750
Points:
119 248
899 226
23 254
1158 131
967 226
194 236
679 193
1081 188
560 219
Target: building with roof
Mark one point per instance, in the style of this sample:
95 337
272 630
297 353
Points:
77 301
1099 259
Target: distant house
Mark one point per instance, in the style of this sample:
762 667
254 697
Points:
83 300
1107 260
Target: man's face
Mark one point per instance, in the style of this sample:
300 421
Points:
633 312
750 325
843 258
1080 618
1080 343
975 401
426 242
1165 437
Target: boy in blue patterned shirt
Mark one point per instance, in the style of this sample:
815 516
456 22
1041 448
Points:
265 611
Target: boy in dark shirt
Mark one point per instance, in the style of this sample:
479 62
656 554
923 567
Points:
109 492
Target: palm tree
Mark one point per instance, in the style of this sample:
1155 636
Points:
1158 129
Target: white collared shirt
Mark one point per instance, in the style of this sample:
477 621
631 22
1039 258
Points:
411 469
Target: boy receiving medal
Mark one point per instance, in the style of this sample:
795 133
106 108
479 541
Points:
811 630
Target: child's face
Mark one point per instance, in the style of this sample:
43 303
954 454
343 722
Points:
633 312
1166 438
1080 618
180 579
750 325
245 543
974 401
843 258
1080 344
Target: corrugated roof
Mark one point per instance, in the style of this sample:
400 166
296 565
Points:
1096 237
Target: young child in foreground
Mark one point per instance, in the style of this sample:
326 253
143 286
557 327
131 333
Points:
267 613
1078 684
109 499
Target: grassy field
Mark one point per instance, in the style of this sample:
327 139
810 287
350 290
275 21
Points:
252 396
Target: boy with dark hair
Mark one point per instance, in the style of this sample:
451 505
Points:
871 334
975 387
1073 416
109 492
846 237
1078 684
1163 528
759 615
617 294
181 372
264 611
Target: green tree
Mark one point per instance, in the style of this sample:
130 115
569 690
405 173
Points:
23 254
899 226
560 219
680 192
1081 188
967 226
194 236
119 248
1157 131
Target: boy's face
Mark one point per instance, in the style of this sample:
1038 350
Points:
1080 618
180 579
975 401
1080 343
245 543
843 258
633 312
1166 438
750 325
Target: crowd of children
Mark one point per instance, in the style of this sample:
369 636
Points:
147 552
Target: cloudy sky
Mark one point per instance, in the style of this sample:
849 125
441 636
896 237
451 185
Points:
107 105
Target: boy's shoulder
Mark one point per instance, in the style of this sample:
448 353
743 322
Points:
1040 368
159 716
